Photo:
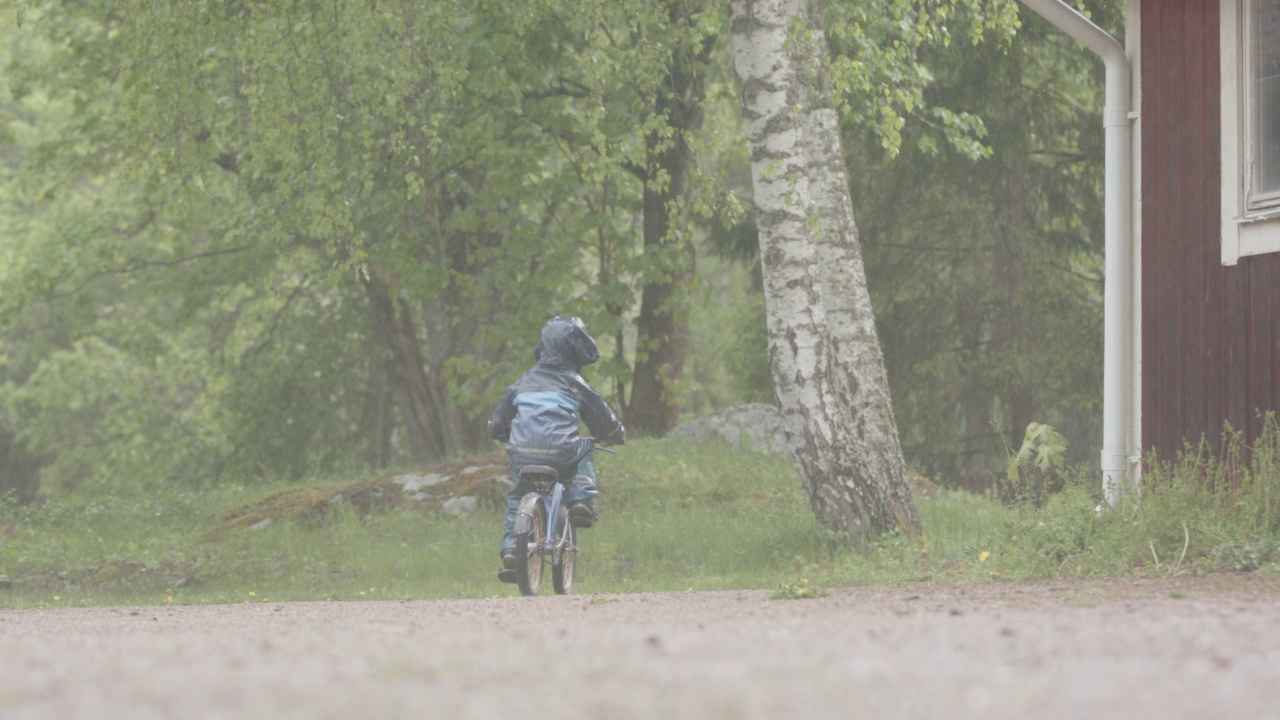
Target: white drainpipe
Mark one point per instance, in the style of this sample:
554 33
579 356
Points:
1118 291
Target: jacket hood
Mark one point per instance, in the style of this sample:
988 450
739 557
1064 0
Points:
565 341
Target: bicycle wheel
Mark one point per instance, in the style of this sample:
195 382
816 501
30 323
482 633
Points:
529 554
564 556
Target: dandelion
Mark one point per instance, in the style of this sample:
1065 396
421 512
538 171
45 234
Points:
252 594
983 557
57 598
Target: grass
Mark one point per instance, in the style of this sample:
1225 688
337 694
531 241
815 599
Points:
674 517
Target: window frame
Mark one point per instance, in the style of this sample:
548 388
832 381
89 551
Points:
1245 230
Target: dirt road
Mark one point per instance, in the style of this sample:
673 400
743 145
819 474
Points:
1185 648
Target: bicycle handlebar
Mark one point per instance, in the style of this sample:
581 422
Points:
599 446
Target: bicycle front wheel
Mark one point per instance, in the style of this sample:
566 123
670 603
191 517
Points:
564 554
529 553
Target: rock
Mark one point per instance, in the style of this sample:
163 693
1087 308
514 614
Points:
413 483
459 505
756 424
500 484
462 485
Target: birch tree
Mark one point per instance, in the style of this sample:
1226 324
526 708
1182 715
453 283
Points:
827 366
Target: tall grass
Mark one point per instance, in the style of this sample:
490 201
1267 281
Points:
674 516
1203 512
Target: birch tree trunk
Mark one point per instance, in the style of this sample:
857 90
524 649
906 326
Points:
828 370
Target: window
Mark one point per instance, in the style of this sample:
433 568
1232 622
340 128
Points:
1262 103
1250 66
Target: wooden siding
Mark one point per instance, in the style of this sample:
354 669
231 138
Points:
1210 333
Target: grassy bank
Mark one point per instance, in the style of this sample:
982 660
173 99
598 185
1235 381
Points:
675 516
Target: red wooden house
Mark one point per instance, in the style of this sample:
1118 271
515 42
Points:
1193 230
1208 138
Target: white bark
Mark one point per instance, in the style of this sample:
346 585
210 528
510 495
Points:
828 369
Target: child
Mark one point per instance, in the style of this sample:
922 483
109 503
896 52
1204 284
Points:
538 420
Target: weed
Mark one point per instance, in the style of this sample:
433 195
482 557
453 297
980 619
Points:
1036 470
800 590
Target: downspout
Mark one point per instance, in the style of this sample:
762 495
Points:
1117 289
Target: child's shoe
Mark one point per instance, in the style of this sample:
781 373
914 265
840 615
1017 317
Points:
508 572
582 515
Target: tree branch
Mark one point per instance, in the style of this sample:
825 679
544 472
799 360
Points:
140 264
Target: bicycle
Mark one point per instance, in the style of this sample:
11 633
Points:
543 531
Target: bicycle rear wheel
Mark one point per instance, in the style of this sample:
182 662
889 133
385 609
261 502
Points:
564 555
529 554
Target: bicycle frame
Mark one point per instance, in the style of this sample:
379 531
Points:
553 545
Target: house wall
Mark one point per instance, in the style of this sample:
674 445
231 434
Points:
1210 333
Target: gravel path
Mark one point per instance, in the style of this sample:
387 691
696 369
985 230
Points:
1182 648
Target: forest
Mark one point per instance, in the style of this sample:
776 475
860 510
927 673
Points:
247 239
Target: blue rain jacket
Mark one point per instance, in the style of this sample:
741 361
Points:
538 415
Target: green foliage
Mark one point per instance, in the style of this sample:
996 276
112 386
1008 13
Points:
729 361
1037 468
1042 449
196 199
983 246
881 74
204 194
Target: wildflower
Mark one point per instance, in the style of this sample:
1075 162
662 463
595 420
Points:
983 557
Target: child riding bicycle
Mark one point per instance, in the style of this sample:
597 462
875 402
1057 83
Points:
538 420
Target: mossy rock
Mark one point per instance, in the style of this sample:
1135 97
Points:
472 477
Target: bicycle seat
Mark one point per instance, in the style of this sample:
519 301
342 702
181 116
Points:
537 471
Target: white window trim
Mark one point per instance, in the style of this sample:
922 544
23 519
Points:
1243 233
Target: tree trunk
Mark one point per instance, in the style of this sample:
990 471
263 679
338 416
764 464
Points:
663 327
394 325
828 370
662 337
